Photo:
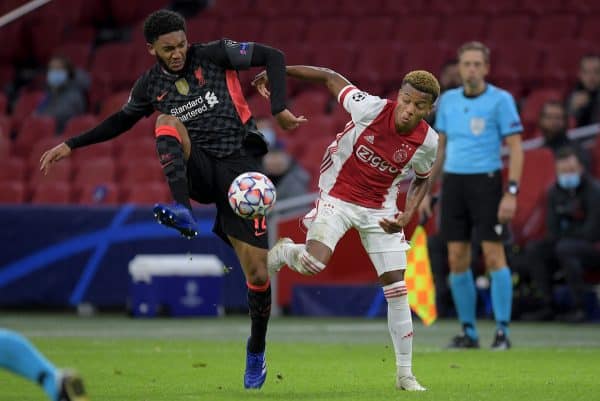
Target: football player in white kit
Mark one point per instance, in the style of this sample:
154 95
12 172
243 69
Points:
359 178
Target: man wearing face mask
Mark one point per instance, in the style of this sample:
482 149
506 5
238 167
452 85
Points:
64 97
572 238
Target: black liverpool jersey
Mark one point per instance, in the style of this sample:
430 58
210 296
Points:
205 96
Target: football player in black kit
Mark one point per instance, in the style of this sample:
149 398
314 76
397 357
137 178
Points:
205 137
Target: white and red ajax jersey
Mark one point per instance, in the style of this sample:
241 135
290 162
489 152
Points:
367 161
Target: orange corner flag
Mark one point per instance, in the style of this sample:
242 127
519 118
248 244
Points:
419 280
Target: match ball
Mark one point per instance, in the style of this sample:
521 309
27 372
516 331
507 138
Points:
251 195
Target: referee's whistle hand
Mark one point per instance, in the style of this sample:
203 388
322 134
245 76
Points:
507 208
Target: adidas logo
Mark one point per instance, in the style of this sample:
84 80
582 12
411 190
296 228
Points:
370 139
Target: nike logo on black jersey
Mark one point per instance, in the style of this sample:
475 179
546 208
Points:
162 96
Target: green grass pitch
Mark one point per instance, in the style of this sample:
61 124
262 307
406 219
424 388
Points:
123 359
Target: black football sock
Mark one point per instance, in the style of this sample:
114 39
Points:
170 153
259 303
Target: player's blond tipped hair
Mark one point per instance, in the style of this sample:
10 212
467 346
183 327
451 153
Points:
423 81
474 45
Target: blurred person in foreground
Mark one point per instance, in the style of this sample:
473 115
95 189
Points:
64 97
584 101
358 183
19 356
473 121
205 137
572 243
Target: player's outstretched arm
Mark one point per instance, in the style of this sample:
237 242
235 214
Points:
333 80
110 128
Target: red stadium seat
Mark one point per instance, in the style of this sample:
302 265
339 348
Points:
39 147
516 61
509 27
33 128
379 64
78 124
538 176
3 102
12 169
318 8
460 29
102 150
146 193
60 172
136 149
7 75
112 104
51 193
13 35
545 29
530 112
12 192
583 7
328 30
226 9
542 8
339 57
115 75
78 53
200 29
363 9
46 35
5 126
26 105
284 30
562 62
311 103
426 55
590 28
106 193
242 30
95 171
259 106
460 7
494 8
142 170
314 129
427 26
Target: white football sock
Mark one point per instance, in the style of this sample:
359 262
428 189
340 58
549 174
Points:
299 260
400 325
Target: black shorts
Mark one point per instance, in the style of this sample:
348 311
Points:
209 179
469 205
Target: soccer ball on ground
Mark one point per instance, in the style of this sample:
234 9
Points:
251 195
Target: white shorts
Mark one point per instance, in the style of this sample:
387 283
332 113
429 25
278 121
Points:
332 217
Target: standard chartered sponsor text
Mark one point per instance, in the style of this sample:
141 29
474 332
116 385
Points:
195 107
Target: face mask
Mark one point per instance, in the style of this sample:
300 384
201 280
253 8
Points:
569 180
56 78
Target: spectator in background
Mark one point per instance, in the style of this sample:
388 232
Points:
572 238
584 103
552 124
287 175
65 97
449 79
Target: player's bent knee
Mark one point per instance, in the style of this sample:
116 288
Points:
310 264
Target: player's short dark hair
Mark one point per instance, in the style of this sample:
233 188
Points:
162 22
423 81
474 45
